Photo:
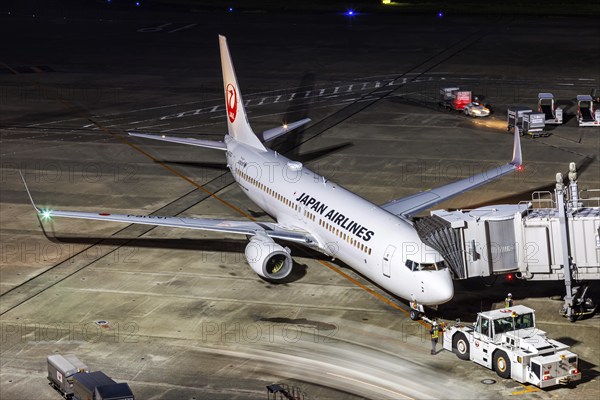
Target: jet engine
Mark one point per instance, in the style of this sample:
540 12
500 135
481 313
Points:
268 259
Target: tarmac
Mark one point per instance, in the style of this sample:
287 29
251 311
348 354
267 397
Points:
178 314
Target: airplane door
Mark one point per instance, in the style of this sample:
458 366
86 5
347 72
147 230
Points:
387 260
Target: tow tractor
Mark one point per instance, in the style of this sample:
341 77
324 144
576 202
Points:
507 341
547 106
586 115
475 109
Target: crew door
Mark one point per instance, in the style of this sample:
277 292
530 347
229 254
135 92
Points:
387 260
480 349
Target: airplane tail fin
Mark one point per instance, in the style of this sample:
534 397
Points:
237 120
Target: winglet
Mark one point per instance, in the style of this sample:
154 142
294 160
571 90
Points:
29 193
517 159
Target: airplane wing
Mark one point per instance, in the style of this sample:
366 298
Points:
418 202
251 228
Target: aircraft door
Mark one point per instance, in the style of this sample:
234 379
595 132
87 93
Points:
387 260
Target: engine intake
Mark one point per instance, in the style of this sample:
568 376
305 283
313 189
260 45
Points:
267 258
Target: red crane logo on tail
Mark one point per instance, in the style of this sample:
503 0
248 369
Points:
231 102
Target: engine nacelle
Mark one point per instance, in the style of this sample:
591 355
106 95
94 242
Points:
267 258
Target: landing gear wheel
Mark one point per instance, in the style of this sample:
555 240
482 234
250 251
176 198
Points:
502 364
573 317
415 315
460 344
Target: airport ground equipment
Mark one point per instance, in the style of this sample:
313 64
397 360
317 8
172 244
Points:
452 98
528 122
507 341
514 116
555 236
98 386
586 114
281 391
475 109
547 106
61 370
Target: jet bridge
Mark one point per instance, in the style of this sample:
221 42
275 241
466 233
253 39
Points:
532 240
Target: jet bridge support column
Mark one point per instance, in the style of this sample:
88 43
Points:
560 203
576 304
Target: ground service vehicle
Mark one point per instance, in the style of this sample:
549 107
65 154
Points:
452 98
528 122
507 341
61 370
475 109
586 115
547 106
98 386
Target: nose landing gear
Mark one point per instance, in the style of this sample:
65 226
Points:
417 311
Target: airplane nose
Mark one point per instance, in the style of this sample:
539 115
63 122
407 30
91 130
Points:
444 292
439 289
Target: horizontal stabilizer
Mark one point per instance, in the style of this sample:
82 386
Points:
211 144
271 134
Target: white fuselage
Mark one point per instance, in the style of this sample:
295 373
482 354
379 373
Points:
369 239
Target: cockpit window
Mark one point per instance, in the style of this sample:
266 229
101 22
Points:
427 267
414 266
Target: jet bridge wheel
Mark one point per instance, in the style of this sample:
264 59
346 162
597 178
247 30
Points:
502 364
460 344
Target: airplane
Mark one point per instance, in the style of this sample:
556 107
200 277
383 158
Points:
379 242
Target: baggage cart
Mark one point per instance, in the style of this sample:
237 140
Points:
61 370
